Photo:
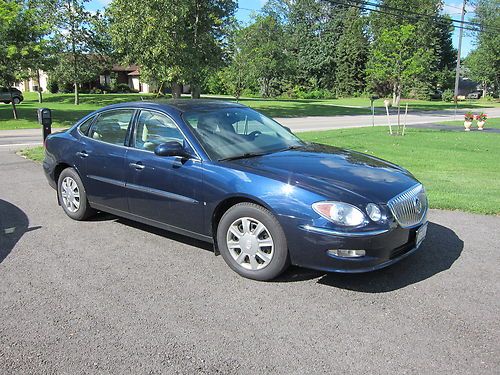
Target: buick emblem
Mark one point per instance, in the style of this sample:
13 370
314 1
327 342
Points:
417 203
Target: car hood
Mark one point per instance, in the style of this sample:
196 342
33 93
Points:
333 172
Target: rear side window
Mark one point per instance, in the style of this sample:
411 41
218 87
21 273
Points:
111 126
84 127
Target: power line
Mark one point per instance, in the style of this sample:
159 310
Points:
430 16
401 14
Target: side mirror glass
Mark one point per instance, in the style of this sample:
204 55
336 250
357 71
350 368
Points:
171 148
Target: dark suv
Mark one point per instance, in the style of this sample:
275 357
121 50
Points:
6 97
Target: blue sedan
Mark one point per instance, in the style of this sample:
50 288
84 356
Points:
224 173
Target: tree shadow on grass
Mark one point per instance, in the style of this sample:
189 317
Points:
13 224
438 252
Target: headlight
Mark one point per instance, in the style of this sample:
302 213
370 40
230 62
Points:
373 212
340 213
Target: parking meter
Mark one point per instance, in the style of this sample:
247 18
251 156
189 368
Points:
45 119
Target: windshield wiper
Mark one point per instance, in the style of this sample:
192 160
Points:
246 155
294 147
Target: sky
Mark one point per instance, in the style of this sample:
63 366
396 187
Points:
247 7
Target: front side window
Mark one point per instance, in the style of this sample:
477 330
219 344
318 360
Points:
235 132
153 129
111 126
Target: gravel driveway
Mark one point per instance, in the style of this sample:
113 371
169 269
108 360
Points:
111 296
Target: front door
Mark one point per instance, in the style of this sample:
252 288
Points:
160 188
105 155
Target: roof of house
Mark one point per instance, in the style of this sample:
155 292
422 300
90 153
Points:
121 68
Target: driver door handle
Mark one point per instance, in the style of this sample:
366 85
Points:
137 166
82 154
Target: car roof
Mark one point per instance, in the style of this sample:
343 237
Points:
179 105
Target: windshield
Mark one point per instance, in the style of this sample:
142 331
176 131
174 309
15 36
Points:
229 133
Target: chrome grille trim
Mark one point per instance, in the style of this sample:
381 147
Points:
410 207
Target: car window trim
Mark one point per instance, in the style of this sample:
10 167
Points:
134 124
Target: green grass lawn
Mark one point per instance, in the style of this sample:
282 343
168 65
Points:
65 113
490 123
459 170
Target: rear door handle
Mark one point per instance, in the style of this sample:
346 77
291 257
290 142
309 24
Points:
137 166
82 154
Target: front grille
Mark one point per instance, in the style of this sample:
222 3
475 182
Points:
410 207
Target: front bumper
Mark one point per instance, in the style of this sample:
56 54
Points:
309 248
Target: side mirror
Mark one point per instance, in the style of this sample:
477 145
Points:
171 148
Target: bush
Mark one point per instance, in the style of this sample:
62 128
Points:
447 95
122 88
420 90
302 93
53 87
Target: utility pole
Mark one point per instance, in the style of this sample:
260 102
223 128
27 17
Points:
457 73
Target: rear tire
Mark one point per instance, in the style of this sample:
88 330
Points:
72 195
252 242
16 101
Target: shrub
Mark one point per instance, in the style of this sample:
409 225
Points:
420 90
447 95
122 88
53 87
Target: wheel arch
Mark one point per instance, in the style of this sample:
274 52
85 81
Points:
225 205
61 166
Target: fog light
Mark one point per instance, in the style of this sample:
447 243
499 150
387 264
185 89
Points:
347 253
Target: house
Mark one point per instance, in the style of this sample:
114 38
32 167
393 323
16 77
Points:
129 75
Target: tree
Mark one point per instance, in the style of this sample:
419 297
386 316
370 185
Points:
483 64
396 59
264 57
83 50
351 53
172 41
432 34
20 34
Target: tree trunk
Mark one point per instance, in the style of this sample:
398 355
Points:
485 87
394 94
176 90
77 94
195 91
40 98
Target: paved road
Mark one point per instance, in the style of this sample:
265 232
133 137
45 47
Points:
300 124
112 297
23 137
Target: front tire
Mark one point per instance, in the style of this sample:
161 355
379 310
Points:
252 242
72 195
16 101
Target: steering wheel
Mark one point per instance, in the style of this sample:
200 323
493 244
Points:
255 134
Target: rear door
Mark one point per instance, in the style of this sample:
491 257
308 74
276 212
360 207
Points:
105 154
161 188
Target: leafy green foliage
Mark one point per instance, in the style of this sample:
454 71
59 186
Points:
397 59
21 42
448 95
81 41
483 64
172 41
